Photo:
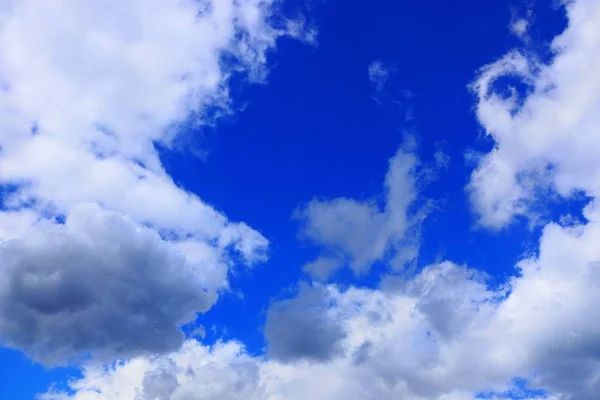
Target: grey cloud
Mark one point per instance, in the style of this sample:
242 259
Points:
361 355
97 284
347 227
322 267
449 296
302 328
361 232
159 383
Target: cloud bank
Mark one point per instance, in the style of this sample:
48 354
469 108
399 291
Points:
444 334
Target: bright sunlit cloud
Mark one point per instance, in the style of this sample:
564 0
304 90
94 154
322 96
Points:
400 273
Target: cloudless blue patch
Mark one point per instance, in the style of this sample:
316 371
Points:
22 379
34 129
520 390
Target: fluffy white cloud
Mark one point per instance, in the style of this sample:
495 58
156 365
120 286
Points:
223 372
442 335
359 232
547 139
87 91
85 98
519 27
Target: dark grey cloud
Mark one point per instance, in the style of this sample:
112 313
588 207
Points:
302 327
97 285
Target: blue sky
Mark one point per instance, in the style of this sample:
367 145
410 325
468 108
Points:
329 199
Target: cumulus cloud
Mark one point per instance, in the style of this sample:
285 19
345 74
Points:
116 86
443 334
87 93
222 372
303 327
546 137
360 232
98 283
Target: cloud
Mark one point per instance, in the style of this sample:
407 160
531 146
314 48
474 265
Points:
322 267
360 232
302 327
519 27
98 283
545 134
119 85
88 93
221 372
378 74
443 334
522 18
441 157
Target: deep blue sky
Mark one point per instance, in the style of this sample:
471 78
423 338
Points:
314 130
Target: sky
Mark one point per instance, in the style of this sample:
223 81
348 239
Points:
299 199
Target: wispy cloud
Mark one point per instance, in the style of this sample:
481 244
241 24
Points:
378 74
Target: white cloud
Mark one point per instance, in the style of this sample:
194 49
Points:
223 372
378 74
549 138
359 231
445 334
101 91
519 27
87 89
442 335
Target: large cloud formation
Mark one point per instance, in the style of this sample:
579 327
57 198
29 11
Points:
445 334
88 90
546 140
442 335
98 283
